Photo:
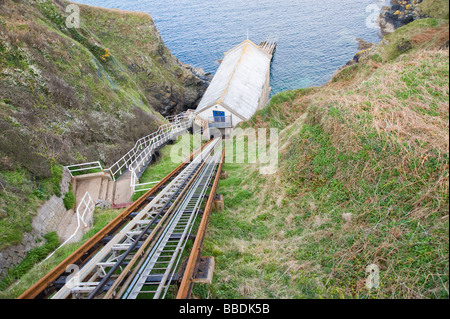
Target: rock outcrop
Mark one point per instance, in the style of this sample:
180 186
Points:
87 93
402 12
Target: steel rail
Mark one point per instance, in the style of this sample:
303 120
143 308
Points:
200 192
42 288
185 289
141 255
87 277
182 223
176 196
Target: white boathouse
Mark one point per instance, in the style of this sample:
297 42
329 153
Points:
240 87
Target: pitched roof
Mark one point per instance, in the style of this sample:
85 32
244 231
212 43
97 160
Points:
239 80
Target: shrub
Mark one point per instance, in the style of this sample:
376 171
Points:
69 200
33 257
16 145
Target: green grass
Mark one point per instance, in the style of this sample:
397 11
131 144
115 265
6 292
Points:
33 257
276 113
379 203
31 271
69 200
170 157
363 180
401 42
435 8
20 200
302 247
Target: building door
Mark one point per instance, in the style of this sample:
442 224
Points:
219 116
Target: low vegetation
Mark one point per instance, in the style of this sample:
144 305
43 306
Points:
73 95
363 180
34 267
19 199
33 257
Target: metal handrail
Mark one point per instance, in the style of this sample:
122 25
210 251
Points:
138 165
213 119
88 203
220 121
144 142
71 169
135 183
184 119
143 157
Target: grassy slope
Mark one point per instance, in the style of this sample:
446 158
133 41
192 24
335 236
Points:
434 8
363 180
11 288
170 157
63 100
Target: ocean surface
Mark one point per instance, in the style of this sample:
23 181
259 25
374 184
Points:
314 38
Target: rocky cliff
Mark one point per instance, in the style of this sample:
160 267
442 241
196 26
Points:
87 93
75 93
402 12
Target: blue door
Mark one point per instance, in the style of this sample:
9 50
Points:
219 116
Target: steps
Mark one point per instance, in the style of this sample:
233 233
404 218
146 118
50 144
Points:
122 189
101 186
106 192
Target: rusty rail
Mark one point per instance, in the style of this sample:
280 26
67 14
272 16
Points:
93 244
185 289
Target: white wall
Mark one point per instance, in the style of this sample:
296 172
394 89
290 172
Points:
208 113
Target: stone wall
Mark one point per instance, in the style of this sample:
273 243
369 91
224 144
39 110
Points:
13 255
51 216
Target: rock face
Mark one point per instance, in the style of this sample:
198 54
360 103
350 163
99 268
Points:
84 94
169 86
13 255
399 14
70 95
402 12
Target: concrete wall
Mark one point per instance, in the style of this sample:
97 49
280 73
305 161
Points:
264 99
206 114
13 255
51 216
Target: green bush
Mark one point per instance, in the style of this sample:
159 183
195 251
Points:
377 58
69 200
33 257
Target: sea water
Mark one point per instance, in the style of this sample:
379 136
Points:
314 38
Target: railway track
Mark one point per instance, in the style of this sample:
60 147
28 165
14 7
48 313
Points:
138 255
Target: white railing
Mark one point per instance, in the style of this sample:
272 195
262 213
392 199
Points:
85 167
202 123
181 121
220 121
85 207
163 132
138 165
139 187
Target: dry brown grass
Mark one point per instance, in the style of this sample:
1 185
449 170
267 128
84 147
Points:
439 37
